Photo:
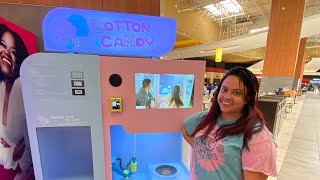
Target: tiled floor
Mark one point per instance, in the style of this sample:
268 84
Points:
298 155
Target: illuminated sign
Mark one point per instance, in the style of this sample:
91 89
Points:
108 33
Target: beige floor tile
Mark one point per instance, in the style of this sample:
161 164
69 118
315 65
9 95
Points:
299 142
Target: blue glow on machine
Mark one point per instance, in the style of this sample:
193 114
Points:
158 155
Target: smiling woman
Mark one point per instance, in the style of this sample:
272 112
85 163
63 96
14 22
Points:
12 53
15 156
231 141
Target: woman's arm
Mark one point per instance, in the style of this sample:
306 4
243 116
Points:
250 175
260 161
190 124
187 137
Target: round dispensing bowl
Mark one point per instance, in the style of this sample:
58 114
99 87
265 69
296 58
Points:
166 170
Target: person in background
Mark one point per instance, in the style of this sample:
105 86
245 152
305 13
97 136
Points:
231 141
15 158
204 89
144 97
215 86
209 87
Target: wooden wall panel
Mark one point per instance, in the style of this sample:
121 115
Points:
10 1
33 2
87 4
283 37
146 7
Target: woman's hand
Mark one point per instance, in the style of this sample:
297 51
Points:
251 175
187 137
19 150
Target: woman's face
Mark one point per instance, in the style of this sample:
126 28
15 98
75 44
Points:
7 53
231 98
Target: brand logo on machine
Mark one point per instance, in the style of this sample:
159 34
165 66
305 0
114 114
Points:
106 33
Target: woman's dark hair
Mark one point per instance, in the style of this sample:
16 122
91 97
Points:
145 83
21 52
175 96
251 120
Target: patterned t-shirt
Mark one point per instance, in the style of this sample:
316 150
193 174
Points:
226 158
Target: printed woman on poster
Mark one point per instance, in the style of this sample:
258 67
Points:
174 100
15 154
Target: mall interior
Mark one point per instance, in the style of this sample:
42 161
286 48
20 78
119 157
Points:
103 134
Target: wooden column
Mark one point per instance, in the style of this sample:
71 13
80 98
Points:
300 60
282 44
302 66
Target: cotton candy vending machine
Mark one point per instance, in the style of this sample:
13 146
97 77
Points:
105 117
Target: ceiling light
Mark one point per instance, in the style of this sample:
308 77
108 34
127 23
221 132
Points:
175 6
283 8
192 29
258 29
195 25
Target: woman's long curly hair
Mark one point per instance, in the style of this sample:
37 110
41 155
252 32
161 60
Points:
175 97
251 120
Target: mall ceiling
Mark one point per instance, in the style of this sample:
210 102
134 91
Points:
197 26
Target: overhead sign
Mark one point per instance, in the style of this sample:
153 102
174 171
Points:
108 33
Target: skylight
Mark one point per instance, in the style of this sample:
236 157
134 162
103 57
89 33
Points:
213 10
224 8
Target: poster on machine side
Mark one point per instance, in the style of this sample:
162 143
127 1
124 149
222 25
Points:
16 44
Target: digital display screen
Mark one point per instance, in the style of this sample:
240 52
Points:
164 90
